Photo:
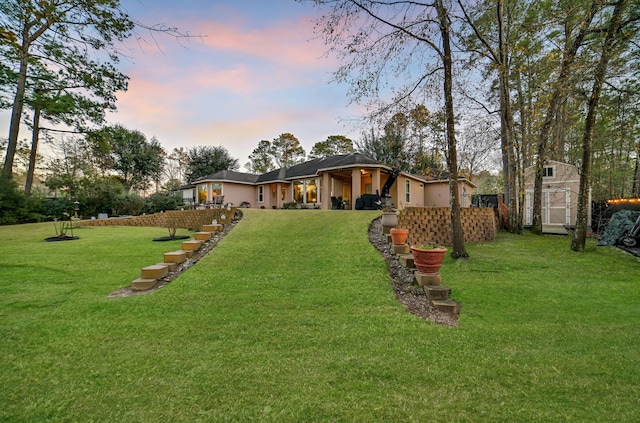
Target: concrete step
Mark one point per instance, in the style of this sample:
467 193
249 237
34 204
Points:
171 267
188 253
447 306
212 228
400 249
425 279
407 261
437 292
203 236
192 245
155 271
175 257
142 284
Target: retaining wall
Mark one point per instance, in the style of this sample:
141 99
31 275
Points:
185 219
432 225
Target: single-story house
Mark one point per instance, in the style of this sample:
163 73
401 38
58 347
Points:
321 182
560 190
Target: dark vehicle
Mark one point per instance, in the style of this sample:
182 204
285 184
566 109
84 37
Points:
632 237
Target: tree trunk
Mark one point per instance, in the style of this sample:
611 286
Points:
452 155
557 94
16 112
580 235
34 151
506 131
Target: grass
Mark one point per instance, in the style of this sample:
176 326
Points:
292 319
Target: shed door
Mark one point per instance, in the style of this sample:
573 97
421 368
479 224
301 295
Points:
556 207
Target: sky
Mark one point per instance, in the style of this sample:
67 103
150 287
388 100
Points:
254 69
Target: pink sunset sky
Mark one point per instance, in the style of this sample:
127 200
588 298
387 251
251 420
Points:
253 70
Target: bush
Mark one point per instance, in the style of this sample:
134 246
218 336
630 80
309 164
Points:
12 202
161 201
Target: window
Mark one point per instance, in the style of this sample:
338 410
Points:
261 194
547 172
202 194
216 189
306 191
407 191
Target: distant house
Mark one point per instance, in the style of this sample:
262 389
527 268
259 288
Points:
560 189
324 183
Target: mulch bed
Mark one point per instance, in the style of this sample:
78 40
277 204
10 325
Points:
407 290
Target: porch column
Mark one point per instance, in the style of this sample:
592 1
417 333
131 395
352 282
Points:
209 197
325 191
356 187
375 181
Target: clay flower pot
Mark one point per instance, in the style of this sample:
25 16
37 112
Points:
399 236
428 259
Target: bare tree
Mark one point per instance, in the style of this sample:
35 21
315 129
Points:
380 41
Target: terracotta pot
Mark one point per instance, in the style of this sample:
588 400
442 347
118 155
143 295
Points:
399 236
428 260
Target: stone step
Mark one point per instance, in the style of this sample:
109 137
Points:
425 279
192 245
155 271
142 284
171 267
400 249
447 306
203 236
437 292
188 253
175 257
212 228
407 261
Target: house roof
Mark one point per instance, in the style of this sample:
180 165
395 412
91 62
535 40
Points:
184 187
278 175
443 176
312 167
308 169
229 176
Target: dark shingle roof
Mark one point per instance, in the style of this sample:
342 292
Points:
312 167
277 175
230 176
301 170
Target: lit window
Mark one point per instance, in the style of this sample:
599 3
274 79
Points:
306 191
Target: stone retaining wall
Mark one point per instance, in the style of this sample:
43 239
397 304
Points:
433 225
185 219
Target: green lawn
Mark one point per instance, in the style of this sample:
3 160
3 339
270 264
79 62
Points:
292 319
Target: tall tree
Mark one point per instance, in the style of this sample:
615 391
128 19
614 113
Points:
498 54
558 93
138 162
57 35
612 37
207 160
379 41
333 145
261 158
287 150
